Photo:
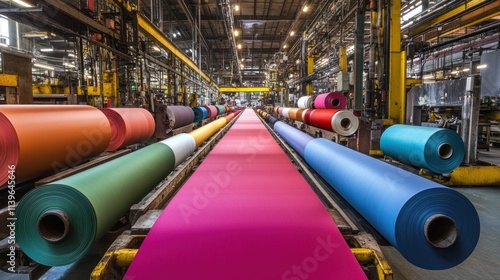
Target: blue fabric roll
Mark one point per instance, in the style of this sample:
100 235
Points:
398 203
295 138
271 120
200 113
440 150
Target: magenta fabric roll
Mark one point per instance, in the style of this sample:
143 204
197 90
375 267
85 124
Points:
246 213
331 100
211 111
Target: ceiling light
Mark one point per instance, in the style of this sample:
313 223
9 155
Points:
292 33
236 7
305 9
284 46
482 66
47 50
175 35
71 55
69 65
297 61
239 46
156 48
236 33
465 69
178 33
43 66
22 3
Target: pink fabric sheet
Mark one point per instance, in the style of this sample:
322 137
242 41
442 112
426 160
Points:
246 213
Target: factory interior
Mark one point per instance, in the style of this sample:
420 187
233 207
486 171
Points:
249 139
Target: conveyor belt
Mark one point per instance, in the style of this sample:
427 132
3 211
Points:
246 213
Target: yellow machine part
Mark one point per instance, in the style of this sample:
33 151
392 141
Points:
367 256
109 86
8 80
475 176
49 89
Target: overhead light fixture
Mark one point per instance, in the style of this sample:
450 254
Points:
236 7
178 33
454 72
47 50
239 46
22 3
297 61
43 66
69 65
482 66
305 9
37 34
175 35
465 70
242 60
285 46
236 33
292 33
71 55
156 48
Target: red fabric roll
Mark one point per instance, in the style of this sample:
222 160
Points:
128 126
322 118
277 110
40 140
307 115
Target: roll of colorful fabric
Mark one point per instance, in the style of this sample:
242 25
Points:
200 113
40 140
59 222
432 226
128 126
211 111
220 109
342 122
331 100
179 116
305 102
439 150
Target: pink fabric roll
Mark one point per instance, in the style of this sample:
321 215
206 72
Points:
211 111
331 100
246 213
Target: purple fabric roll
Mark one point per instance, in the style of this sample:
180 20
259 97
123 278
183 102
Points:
178 116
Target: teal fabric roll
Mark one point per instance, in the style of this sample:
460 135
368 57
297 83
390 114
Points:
93 201
437 149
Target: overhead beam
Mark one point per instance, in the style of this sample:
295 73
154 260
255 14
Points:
243 89
430 23
252 50
468 19
154 34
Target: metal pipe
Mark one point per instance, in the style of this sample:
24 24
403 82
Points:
440 231
54 226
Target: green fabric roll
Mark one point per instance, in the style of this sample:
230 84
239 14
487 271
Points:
221 109
93 200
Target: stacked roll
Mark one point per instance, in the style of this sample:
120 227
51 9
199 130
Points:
59 222
331 100
200 113
179 116
211 111
440 150
128 126
432 226
305 102
220 109
342 122
39 140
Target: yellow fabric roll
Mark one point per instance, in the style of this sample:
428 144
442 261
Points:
201 134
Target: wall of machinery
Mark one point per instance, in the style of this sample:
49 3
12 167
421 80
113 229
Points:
113 54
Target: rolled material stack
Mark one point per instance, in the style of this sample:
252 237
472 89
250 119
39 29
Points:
128 126
432 226
57 223
331 100
305 102
211 111
40 140
179 116
439 150
200 113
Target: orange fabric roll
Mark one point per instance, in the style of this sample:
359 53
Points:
298 115
40 140
128 126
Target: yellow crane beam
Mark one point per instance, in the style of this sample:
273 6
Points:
243 89
428 24
154 34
